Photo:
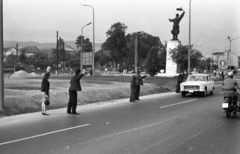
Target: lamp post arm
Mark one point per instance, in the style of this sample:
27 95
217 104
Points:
93 69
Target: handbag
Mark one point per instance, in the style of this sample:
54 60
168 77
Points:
47 102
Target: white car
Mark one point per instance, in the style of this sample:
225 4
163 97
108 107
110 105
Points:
197 83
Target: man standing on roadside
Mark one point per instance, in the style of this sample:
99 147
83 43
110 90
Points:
74 87
139 82
133 87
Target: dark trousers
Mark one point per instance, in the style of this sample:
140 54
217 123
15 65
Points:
178 86
133 93
137 92
72 104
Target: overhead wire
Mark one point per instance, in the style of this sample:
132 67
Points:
37 33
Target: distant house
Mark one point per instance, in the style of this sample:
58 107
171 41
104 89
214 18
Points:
69 50
30 50
12 51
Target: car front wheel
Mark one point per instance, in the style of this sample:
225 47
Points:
212 91
205 92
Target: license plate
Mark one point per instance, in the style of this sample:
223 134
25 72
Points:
224 105
191 91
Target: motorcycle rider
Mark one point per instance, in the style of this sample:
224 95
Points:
229 87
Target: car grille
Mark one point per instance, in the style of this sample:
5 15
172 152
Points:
191 87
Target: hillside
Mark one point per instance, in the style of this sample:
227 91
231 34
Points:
49 45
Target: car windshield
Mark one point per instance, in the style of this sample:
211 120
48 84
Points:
196 78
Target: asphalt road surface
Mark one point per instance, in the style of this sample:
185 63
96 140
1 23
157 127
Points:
158 124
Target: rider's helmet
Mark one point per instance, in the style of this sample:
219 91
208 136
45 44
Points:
230 74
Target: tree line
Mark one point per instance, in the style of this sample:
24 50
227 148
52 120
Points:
118 49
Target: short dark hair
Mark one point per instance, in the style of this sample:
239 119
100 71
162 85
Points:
77 71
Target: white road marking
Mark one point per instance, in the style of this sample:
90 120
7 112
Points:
44 134
128 131
177 103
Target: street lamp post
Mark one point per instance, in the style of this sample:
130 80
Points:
136 50
81 55
1 58
230 51
93 68
189 48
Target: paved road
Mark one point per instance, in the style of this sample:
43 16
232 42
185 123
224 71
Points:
158 124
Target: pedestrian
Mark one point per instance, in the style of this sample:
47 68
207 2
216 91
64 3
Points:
139 82
106 71
194 71
133 87
222 75
74 87
45 91
179 81
214 72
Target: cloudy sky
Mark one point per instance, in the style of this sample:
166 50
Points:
38 20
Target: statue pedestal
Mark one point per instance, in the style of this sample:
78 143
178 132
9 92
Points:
171 67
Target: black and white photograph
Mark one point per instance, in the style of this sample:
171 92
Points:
119 77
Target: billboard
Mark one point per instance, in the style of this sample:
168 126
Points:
87 58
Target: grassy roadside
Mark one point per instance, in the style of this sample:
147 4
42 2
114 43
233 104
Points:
23 95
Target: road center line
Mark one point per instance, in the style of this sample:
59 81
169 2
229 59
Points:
44 134
129 131
177 103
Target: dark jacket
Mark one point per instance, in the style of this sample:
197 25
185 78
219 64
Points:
139 79
133 80
75 83
45 86
229 85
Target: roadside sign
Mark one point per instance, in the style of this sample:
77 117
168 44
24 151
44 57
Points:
222 63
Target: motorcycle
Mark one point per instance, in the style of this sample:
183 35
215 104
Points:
230 105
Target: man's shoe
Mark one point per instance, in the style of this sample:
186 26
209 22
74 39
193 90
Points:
69 112
45 114
75 113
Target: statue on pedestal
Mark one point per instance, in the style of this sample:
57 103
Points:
175 31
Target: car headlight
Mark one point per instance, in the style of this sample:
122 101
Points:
201 86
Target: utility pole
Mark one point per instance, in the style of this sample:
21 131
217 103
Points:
57 55
63 55
1 58
136 53
16 54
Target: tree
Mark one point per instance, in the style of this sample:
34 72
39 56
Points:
180 57
10 61
146 42
116 41
205 64
39 59
87 45
22 57
152 62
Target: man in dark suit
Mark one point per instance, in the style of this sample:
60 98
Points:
179 81
74 87
133 87
139 81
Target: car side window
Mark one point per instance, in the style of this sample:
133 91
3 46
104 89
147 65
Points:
207 79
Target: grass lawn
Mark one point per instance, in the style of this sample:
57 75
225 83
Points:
24 96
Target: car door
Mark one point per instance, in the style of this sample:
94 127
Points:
210 83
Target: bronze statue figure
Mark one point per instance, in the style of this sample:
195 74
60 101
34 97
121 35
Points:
175 31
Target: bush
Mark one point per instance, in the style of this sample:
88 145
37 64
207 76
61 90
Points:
152 62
